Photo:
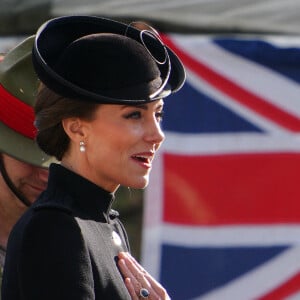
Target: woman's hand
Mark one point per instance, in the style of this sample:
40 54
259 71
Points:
140 284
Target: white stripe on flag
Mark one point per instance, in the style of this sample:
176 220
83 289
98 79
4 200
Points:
229 236
261 280
248 114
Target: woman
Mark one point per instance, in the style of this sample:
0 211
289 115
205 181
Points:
98 111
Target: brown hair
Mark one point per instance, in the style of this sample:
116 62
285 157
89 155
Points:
50 109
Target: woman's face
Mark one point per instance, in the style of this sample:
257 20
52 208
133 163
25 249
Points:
121 143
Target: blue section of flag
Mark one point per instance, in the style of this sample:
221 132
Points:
190 272
198 113
282 60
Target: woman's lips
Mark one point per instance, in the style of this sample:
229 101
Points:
144 159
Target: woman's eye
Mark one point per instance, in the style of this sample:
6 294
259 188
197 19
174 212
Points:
134 115
138 115
159 116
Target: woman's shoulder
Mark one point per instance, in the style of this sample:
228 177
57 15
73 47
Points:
50 219
45 234
53 226
46 222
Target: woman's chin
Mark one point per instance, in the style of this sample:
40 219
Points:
139 184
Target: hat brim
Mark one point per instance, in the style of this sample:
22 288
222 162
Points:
55 35
22 148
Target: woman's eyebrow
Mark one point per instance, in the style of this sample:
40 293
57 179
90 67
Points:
142 106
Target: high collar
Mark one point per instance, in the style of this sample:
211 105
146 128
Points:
88 198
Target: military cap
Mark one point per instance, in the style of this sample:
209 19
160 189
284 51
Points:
18 86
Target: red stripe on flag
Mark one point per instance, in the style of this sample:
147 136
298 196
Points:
231 189
289 288
236 92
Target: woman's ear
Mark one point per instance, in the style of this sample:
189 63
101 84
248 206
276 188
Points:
74 128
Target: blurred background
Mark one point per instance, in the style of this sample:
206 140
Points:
220 218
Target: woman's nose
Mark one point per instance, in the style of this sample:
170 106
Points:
154 133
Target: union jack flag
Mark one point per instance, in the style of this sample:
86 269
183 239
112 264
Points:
222 211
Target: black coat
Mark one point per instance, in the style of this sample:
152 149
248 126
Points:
64 247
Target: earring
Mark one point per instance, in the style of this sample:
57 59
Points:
81 146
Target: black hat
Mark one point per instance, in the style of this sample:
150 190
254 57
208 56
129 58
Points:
105 61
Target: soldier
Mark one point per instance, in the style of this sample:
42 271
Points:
23 166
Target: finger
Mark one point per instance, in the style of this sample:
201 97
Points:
139 279
145 278
124 268
131 283
130 288
136 267
127 270
133 270
142 278
136 281
135 262
157 287
136 273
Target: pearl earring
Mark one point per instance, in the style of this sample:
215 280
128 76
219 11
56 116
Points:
81 146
